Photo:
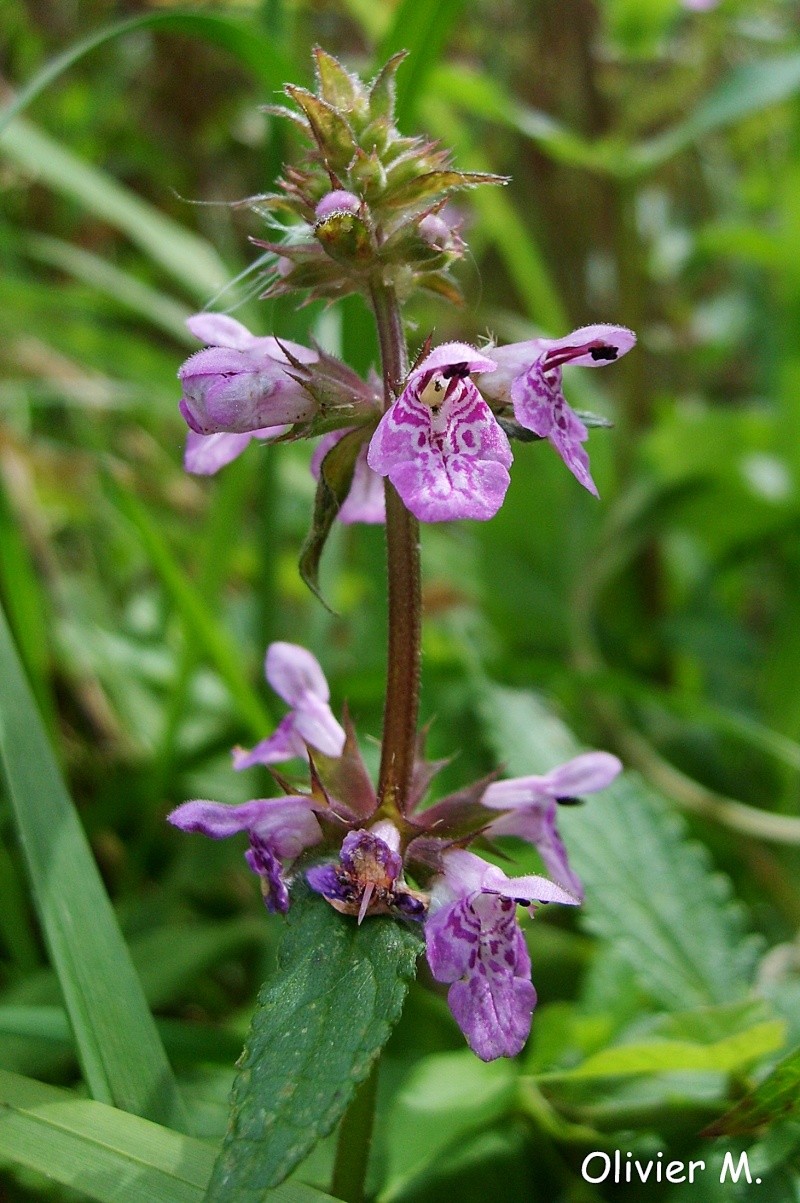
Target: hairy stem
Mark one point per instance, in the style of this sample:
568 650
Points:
404 600
354 1142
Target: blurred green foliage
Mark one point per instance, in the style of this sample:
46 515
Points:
655 158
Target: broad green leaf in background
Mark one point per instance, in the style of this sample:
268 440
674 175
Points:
446 1096
119 1049
776 1097
319 1025
648 890
729 1055
107 1154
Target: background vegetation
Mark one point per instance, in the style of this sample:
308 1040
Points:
655 156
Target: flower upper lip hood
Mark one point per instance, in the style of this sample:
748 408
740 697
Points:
587 347
528 376
240 382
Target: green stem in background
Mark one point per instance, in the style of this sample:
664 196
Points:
404 592
355 1141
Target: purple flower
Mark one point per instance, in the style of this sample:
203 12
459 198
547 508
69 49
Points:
240 383
296 676
532 803
439 443
368 878
365 501
529 375
279 830
474 941
205 454
338 201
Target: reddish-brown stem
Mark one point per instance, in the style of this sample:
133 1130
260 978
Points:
404 592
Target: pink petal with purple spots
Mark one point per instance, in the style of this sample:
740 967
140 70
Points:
448 464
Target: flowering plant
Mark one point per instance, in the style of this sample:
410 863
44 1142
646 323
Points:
428 441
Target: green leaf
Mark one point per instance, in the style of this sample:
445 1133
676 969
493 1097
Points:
188 259
107 1154
776 1097
748 89
319 1027
120 1052
648 890
446 1097
729 1055
255 51
423 31
201 624
335 479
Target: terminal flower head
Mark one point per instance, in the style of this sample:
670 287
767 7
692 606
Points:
241 383
279 829
440 444
296 676
474 941
532 806
528 375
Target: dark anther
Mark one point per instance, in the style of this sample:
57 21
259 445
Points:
455 370
569 801
603 353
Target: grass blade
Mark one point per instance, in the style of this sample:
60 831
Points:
107 1154
120 1052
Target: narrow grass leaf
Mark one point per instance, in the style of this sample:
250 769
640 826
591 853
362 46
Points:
648 890
256 52
119 1049
107 1154
320 1023
748 89
422 30
201 624
190 260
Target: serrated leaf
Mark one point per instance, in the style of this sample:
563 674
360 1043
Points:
648 889
729 1055
320 1024
335 478
777 1097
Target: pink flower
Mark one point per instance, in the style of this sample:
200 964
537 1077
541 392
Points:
279 830
528 374
532 803
240 383
296 676
474 941
439 443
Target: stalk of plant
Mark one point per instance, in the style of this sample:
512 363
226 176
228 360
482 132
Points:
430 441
